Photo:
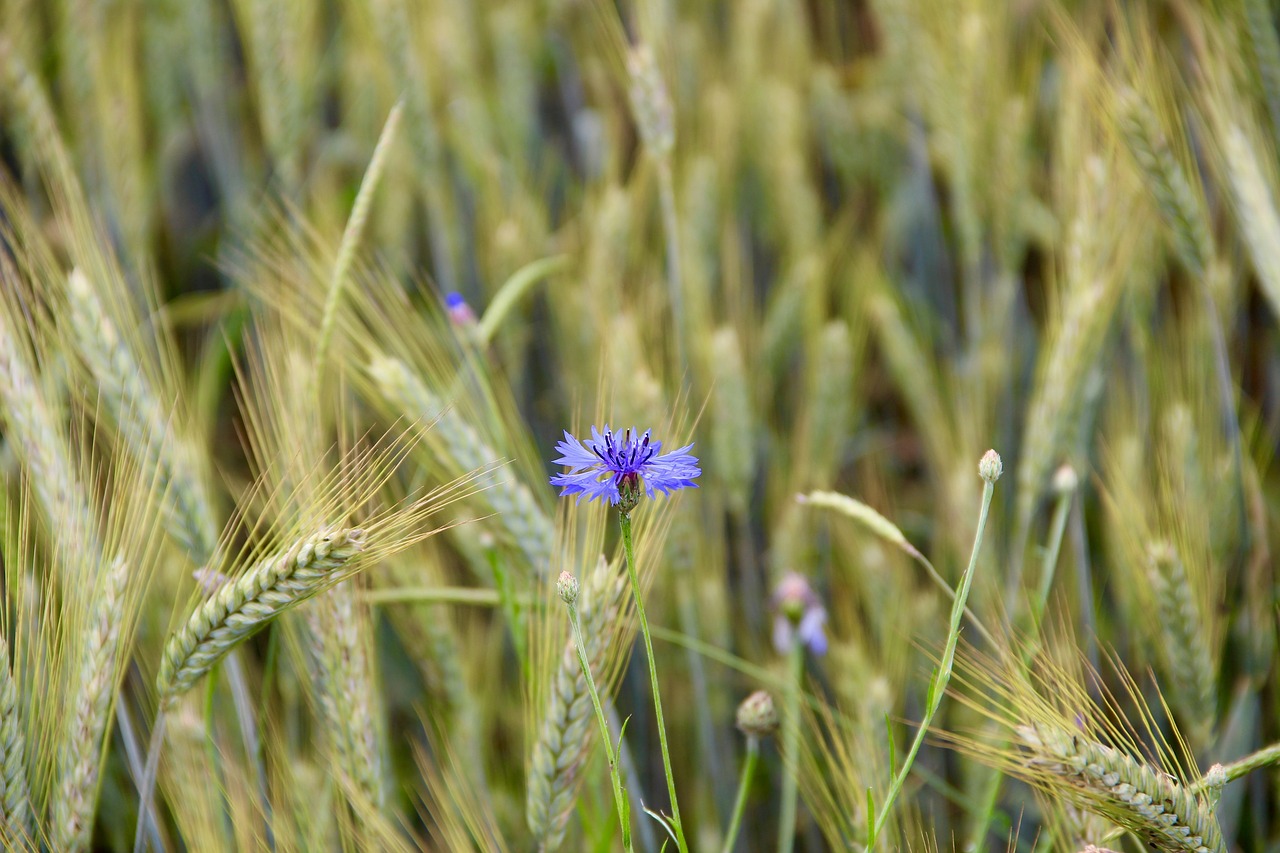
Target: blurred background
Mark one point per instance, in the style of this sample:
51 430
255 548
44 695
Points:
840 246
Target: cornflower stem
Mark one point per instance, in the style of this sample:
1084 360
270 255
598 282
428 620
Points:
942 677
624 521
791 749
615 777
1052 550
740 804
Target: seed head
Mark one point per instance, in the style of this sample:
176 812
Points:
567 585
991 467
757 715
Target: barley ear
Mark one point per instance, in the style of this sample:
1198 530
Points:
242 606
1124 790
564 739
527 524
15 798
81 751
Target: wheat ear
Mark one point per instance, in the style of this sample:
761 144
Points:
340 665
564 741
75 796
1182 210
1128 792
142 419
15 797
42 446
243 605
1255 209
1187 656
527 524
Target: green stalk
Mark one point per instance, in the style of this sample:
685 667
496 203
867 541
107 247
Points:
740 804
624 521
942 676
615 778
1230 772
1057 529
790 750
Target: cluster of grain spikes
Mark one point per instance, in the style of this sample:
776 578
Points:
1084 751
1125 790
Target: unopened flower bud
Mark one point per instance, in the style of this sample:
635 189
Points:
991 467
1065 480
1214 781
567 585
757 715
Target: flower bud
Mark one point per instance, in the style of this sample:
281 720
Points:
567 585
991 467
1065 480
757 715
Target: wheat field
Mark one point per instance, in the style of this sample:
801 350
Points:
637 426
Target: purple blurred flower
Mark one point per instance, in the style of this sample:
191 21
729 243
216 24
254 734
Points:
459 311
800 616
612 466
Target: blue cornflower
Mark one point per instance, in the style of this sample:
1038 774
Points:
613 465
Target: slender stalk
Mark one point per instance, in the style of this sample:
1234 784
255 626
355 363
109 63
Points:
740 804
635 802
1236 769
624 521
1057 528
942 677
147 788
1053 548
615 777
790 750
440 595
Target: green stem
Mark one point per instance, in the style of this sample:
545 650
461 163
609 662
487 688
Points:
1236 769
624 521
619 799
790 750
938 688
1057 529
740 804
439 595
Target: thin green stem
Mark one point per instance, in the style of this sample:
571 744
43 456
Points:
1057 529
624 521
615 778
740 804
1236 769
790 750
1053 548
938 687
439 595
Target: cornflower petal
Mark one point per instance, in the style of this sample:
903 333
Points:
602 466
